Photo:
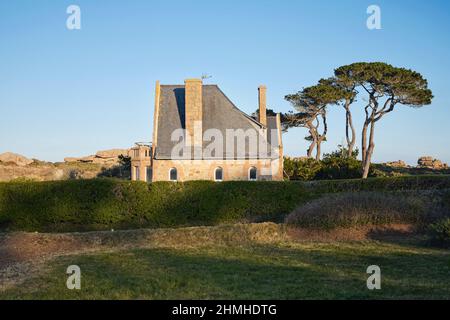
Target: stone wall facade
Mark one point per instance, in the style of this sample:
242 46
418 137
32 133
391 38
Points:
141 162
205 169
147 166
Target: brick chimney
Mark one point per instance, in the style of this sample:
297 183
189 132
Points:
194 110
262 117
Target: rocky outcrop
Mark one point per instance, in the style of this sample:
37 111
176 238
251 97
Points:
431 163
103 163
72 159
36 173
14 158
397 164
110 154
104 156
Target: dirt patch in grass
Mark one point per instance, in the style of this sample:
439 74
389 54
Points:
390 232
21 246
23 254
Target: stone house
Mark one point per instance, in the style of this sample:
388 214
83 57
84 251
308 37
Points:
199 134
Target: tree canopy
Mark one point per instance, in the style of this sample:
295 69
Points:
386 86
311 104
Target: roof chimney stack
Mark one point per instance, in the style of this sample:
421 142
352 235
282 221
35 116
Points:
262 116
194 110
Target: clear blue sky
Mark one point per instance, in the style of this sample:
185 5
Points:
70 93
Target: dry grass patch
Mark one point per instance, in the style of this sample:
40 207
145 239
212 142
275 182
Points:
350 209
390 232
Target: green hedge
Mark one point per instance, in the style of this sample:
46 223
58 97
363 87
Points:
400 183
109 203
440 233
100 204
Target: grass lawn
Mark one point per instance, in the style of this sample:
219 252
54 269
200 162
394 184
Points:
288 270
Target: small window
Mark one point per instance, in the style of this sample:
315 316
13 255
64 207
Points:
173 174
218 174
252 174
138 176
149 174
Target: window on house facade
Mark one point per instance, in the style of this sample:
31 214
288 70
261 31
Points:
218 174
173 174
252 174
138 176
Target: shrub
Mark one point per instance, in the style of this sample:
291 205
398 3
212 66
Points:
101 204
363 208
446 198
401 183
78 205
440 233
303 169
338 165
335 165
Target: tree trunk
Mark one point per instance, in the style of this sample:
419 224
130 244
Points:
321 137
347 135
369 151
313 133
369 119
368 157
311 149
364 142
349 127
318 150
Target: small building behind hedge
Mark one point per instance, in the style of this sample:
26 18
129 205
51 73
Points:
199 134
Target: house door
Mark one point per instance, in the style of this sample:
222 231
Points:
149 174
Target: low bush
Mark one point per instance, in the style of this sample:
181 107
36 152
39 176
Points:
440 233
368 208
77 205
401 183
302 169
337 165
101 204
340 165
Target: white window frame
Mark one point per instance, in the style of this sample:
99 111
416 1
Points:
215 171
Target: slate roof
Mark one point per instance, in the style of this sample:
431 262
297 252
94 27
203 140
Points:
218 113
